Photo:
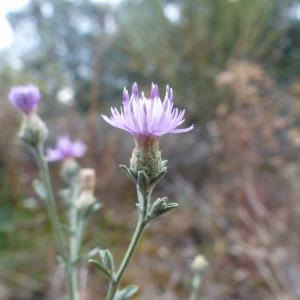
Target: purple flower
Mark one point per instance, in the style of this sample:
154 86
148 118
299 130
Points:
147 117
65 148
25 98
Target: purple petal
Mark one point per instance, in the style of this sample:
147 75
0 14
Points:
152 93
125 95
135 90
156 91
64 144
180 130
25 98
54 155
78 149
65 148
143 116
171 96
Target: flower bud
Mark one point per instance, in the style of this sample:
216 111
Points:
199 264
146 157
69 169
85 200
88 179
33 130
86 197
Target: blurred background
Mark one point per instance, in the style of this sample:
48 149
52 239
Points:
235 66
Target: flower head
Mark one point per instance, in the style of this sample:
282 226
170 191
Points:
147 117
65 148
199 264
25 98
87 179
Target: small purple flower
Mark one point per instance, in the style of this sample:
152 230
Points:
65 148
25 98
147 117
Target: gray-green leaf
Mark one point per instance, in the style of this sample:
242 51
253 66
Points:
160 175
107 259
86 256
126 292
143 181
128 172
101 267
160 206
40 189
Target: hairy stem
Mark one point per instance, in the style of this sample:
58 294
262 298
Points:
50 203
136 238
53 215
74 252
195 287
76 223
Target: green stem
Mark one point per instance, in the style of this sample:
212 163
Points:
50 203
74 252
53 214
77 223
136 238
79 231
195 287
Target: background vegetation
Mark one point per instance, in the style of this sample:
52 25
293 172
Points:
234 65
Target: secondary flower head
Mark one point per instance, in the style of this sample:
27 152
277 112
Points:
199 264
65 148
147 117
25 98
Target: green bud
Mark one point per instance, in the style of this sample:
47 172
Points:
199 264
146 157
33 130
69 169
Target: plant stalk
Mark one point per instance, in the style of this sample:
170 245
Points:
50 203
136 238
74 252
54 218
195 287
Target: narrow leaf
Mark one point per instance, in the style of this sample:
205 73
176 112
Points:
101 267
160 206
128 172
126 292
159 177
86 256
170 206
91 209
40 189
107 259
143 181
